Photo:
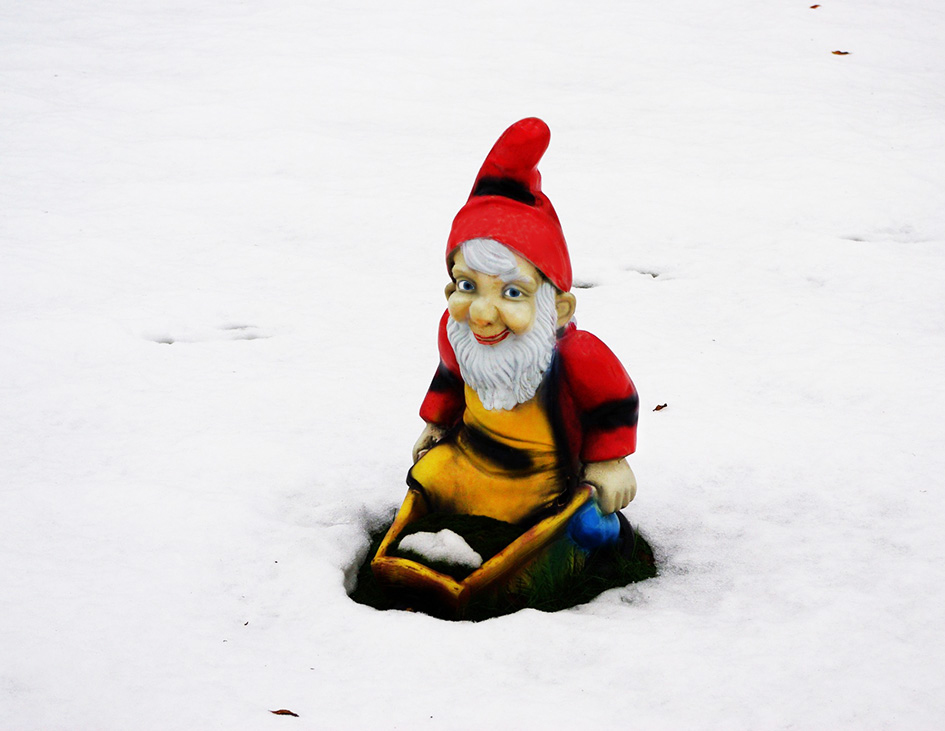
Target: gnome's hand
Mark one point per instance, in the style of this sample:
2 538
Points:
430 435
613 481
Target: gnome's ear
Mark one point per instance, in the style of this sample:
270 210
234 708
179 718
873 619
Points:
450 288
565 306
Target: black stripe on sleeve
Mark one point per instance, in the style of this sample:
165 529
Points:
613 414
444 380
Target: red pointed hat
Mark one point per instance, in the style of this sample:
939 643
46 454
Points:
507 205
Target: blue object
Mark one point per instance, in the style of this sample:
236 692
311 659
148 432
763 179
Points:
591 529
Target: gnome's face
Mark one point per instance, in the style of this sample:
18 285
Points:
503 318
495 307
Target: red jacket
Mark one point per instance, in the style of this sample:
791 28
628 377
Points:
591 399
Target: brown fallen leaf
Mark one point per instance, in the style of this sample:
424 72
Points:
841 53
814 7
284 712
660 407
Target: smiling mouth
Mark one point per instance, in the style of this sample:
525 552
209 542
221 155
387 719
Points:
492 340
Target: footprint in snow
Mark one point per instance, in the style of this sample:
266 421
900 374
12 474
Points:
894 234
190 334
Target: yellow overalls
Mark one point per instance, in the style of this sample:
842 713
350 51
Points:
502 464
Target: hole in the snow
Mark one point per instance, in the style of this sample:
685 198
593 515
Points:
562 576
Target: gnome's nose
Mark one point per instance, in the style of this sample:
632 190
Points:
482 312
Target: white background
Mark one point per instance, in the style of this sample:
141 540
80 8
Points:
222 228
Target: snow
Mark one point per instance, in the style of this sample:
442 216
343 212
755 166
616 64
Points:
221 240
445 545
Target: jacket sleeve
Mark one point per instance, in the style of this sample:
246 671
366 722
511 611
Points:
605 398
446 399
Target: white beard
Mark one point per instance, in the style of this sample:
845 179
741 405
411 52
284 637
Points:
508 373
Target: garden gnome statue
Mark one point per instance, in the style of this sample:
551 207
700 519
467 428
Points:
524 407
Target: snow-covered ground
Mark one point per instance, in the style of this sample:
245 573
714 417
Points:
221 237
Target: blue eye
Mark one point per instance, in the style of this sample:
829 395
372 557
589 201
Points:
513 293
464 285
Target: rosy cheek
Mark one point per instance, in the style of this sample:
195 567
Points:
458 307
518 319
